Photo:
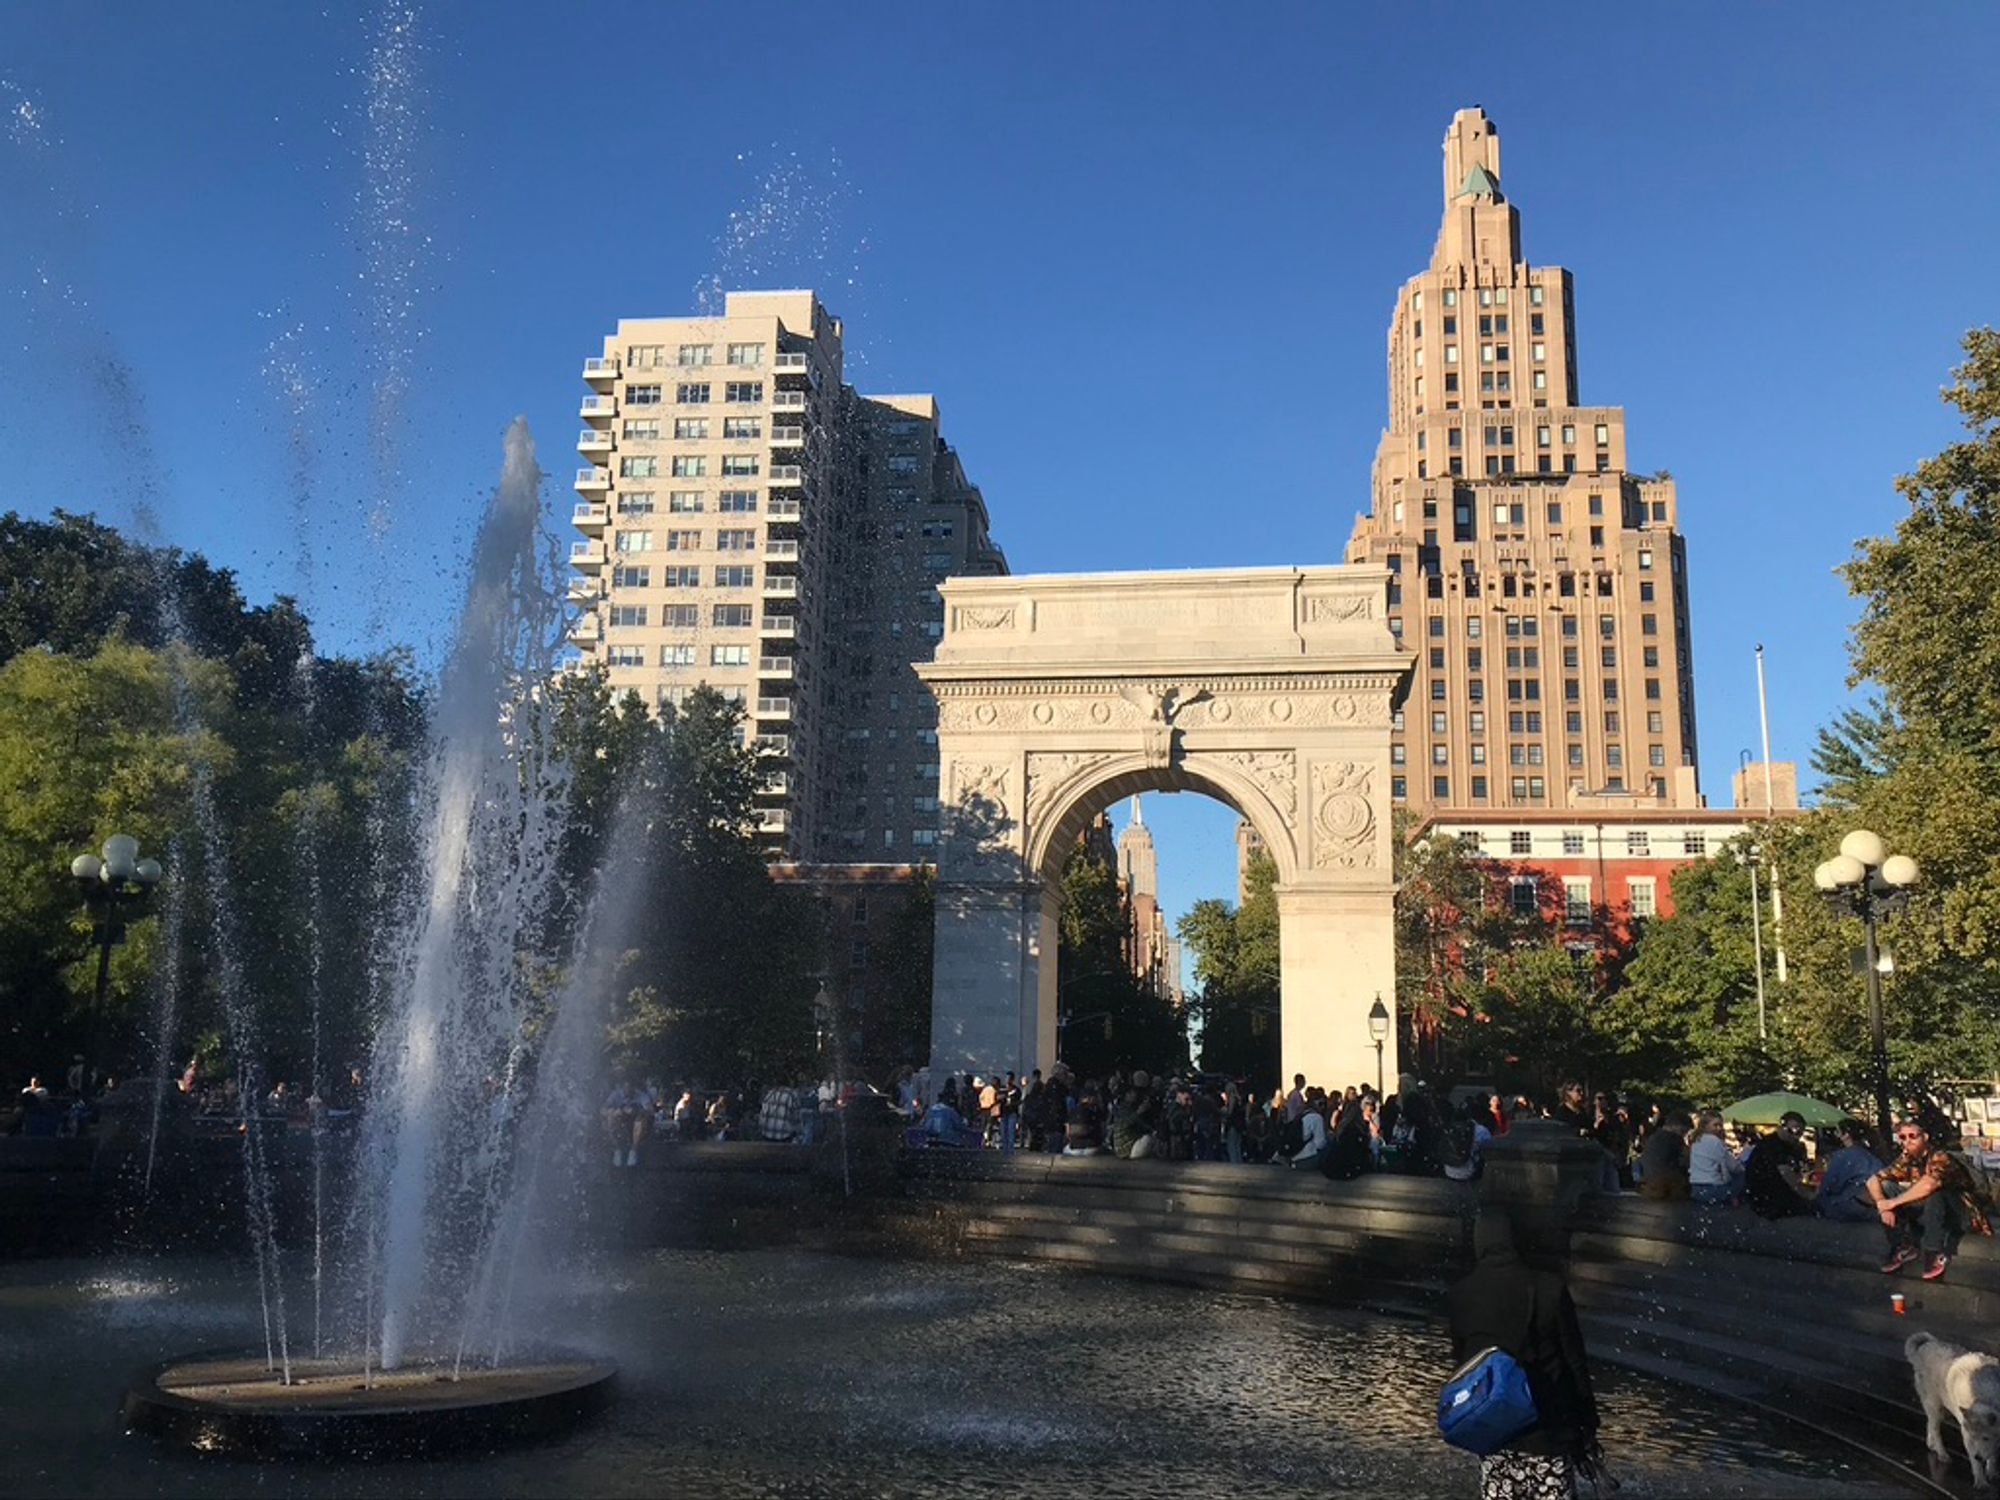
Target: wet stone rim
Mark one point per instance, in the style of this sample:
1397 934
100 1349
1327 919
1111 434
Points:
240 1410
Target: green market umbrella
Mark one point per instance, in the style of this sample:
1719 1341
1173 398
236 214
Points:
1765 1109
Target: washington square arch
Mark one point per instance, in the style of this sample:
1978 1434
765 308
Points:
1266 688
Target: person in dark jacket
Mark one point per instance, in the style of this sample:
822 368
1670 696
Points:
1505 1304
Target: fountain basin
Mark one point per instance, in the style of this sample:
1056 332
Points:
231 1402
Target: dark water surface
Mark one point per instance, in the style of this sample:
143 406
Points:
795 1374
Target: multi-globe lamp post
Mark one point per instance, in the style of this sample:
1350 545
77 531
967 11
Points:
114 886
1866 881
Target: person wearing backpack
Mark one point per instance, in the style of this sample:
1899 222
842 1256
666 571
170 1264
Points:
1526 1316
1463 1143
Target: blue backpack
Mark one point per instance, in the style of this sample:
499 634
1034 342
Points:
1486 1404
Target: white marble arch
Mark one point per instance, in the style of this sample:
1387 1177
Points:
1269 689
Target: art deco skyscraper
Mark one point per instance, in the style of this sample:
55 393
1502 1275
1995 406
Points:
1541 584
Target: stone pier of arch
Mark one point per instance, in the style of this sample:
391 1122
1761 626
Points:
1269 689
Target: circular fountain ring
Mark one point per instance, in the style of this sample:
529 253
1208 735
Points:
233 1403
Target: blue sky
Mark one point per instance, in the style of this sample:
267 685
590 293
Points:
264 263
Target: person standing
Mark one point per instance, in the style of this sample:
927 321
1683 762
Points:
1010 1113
1504 1304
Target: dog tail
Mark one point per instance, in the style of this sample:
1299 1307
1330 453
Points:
1915 1342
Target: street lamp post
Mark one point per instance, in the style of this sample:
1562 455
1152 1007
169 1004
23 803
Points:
1865 880
1753 856
113 886
1378 1028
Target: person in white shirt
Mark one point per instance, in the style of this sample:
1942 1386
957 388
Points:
1714 1177
1313 1123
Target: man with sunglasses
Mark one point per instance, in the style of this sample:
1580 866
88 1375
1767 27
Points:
1936 1205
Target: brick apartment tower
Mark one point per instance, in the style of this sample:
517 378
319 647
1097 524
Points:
1541 584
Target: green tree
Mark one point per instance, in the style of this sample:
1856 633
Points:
1236 964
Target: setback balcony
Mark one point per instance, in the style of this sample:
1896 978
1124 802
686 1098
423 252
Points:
600 371
588 517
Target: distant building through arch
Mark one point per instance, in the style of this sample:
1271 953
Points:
1269 689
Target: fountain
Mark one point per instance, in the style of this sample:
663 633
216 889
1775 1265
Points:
452 1206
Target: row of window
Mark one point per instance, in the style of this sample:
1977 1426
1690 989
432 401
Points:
1524 788
687 502
687 576
654 356
1530 755
679 616
1489 296
686 465
698 393
1638 841
691 429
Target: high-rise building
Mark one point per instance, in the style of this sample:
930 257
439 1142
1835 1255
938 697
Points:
1541 584
752 524
1152 951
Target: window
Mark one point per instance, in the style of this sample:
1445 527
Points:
1576 756
738 465
635 502
1576 903
677 656
1521 841
1652 689
736 576
739 429
626 656
730 616
1695 844
746 354
736 541
1572 842
737 502
1556 519
1478 724
634 541
1614 756
1608 658
686 429
1437 690
642 395
1441 788
624 615
691 395
1399 755
729 656
743 392
684 502
681 616
1646 592
1399 788
1654 723
1479 755
631 578
1440 754
686 466
634 467
1611 722
1522 896
1437 722
1534 296
1656 755
697 354
684 541
1638 842
1645 899
903 463
683 576
1649 656
1645 560
1474 659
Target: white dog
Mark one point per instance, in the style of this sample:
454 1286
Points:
1966 1384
